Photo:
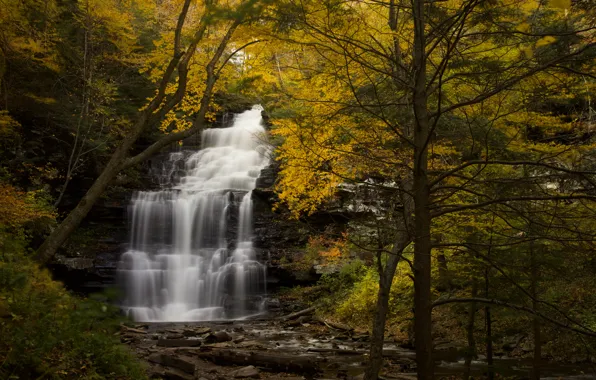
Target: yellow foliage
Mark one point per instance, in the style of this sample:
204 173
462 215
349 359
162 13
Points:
182 116
358 307
8 126
327 251
562 4
545 41
17 207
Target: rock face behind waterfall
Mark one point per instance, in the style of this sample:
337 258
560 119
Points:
184 262
283 240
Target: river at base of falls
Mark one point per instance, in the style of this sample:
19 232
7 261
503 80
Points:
181 264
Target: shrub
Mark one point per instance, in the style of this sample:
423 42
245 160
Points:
47 333
44 331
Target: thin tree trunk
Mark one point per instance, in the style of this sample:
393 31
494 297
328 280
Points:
378 333
487 315
421 193
535 374
444 283
385 280
403 239
84 114
471 353
422 280
489 334
74 218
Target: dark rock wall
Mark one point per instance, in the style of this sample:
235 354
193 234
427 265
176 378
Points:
281 240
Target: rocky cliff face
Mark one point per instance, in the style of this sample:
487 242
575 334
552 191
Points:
87 262
282 241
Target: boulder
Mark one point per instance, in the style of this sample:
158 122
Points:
175 336
170 374
273 303
218 337
245 372
180 363
196 331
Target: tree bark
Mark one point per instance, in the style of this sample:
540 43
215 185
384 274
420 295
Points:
74 218
444 283
385 280
535 373
489 343
422 219
471 353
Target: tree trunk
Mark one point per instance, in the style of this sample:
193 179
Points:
385 280
535 374
489 334
378 333
421 193
422 278
403 239
76 216
444 283
471 353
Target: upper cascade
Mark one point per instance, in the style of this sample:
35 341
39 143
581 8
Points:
182 263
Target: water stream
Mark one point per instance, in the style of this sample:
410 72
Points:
190 255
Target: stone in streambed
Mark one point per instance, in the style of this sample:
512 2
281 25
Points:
250 344
245 372
218 337
178 342
171 374
196 331
174 336
180 363
154 358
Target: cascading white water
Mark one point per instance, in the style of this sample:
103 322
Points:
179 266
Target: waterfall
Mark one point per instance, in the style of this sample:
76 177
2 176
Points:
187 260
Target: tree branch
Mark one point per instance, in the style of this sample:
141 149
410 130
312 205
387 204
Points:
512 81
514 307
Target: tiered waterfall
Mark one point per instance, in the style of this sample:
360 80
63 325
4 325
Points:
190 255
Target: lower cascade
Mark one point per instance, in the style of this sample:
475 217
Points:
190 255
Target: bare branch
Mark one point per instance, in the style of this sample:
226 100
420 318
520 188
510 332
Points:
524 309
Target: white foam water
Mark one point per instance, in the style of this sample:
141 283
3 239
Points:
179 266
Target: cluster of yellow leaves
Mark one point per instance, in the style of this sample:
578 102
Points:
328 251
13 27
17 207
8 125
357 308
